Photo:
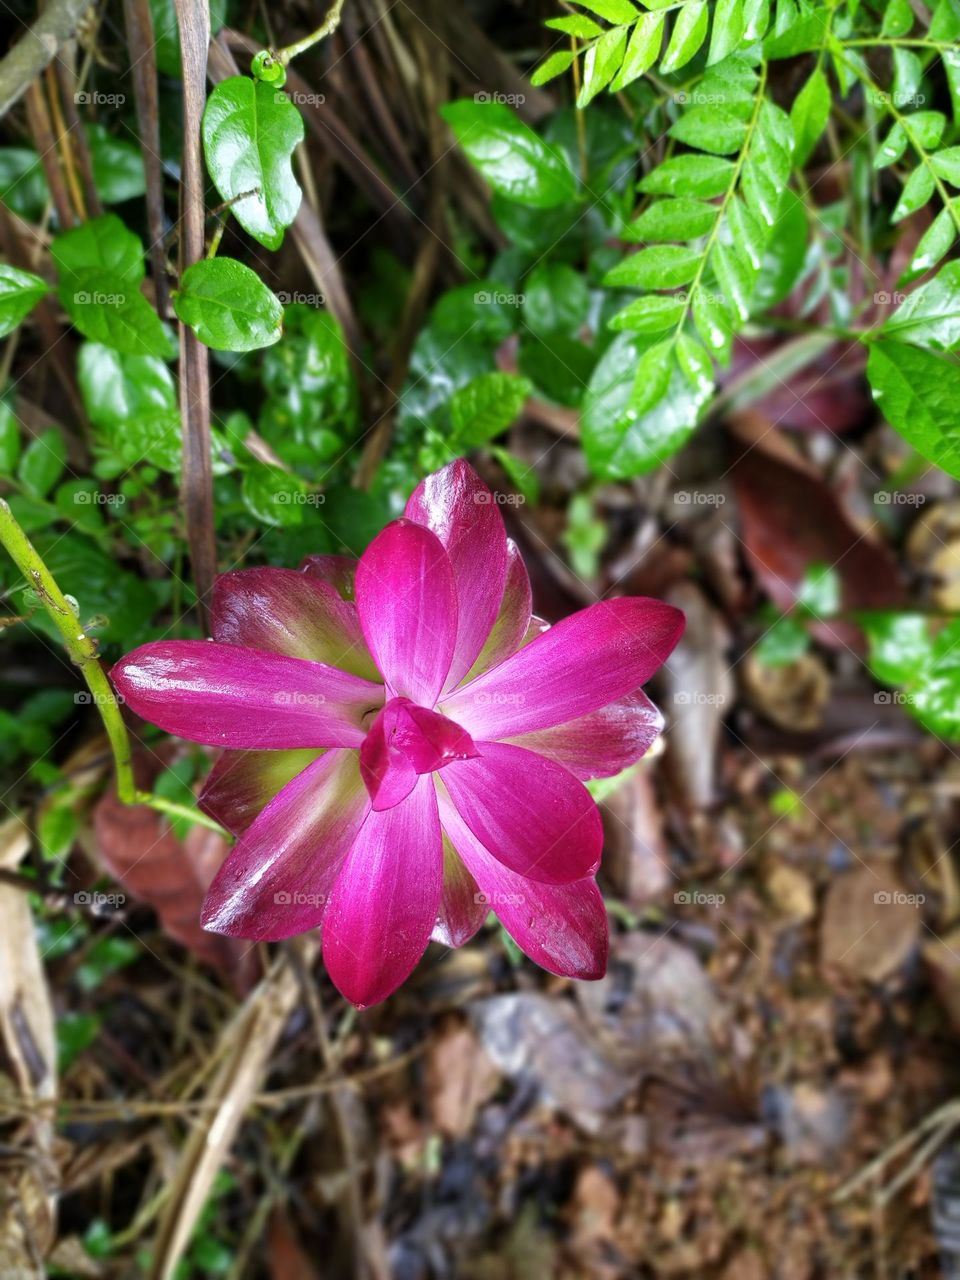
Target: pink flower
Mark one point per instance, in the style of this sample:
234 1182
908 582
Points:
406 743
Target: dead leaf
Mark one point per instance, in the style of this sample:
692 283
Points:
870 924
793 695
460 1077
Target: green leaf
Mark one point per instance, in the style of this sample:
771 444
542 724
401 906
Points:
610 10
809 115
897 18
946 165
784 256
250 132
576 24
714 322
555 65
820 591
556 299
737 279
642 50
103 244
689 175
728 29
118 172
43 463
899 644
23 184
661 267
930 316
652 314
919 395
926 128
228 306
485 407
20 291
785 642
892 147
109 309
117 388
9 439
273 496
485 309
905 651
677 219
521 475
916 192
934 243
601 63
689 33
559 367
517 163
711 129
166 33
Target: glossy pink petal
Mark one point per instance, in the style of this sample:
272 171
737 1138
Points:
227 696
242 783
404 741
287 612
338 571
459 508
463 908
408 609
561 927
277 879
530 813
579 665
513 621
384 905
602 743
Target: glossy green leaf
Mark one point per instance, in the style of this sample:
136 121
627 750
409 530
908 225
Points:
736 277
677 219
810 113
20 291
103 244
930 316
486 407
109 309
916 192
652 314
689 175
898 18
273 496
553 66
661 267
714 321
228 306
919 395
643 49
935 242
43 463
9 439
946 164
618 11
689 33
892 147
250 132
601 63
23 184
556 299
514 160
784 256
710 129
924 658
118 172
575 24
729 22
558 366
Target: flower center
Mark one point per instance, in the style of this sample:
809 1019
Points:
405 741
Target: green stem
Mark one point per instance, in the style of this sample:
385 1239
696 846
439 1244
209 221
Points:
81 648
326 28
82 651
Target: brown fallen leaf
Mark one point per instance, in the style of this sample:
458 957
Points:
793 695
137 846
870 924
28 1076
460 1077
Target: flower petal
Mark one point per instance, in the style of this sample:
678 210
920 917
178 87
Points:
529 812
462 906
242 783
384 904
293 613
602 743
562 928
228 696
404 741
338 571
459 508
579 665
277 879
513 621
408 609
